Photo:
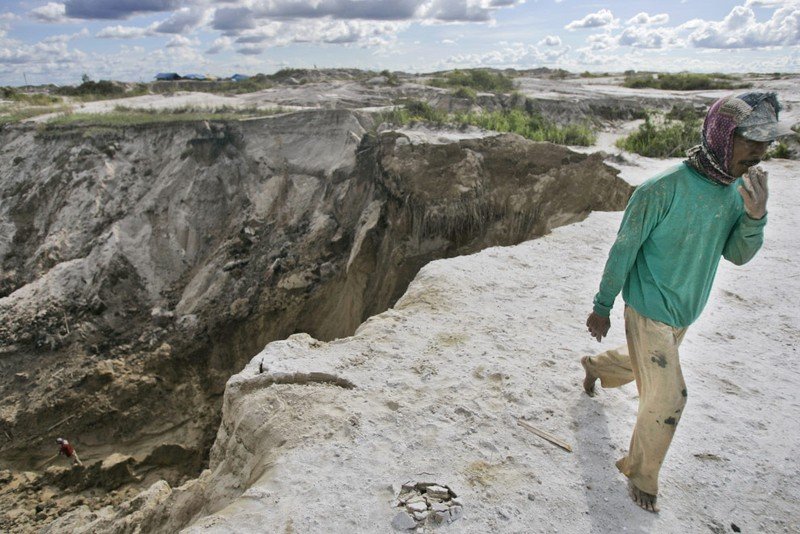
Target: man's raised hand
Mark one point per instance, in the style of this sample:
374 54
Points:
754 192
598 326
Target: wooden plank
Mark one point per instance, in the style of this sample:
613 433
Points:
545 435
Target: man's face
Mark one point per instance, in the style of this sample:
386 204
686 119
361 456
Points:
746 154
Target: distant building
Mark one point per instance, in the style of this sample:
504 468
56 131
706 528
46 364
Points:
168 76
239 77
194 77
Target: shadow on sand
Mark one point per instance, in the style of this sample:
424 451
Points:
606 494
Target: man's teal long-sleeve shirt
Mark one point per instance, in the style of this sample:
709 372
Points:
675 228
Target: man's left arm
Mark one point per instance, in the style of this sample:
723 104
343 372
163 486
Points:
748 235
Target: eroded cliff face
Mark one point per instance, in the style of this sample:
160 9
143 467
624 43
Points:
143 266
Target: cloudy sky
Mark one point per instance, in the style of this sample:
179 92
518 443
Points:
58 42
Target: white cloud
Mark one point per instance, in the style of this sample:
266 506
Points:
770 3
177 41
64 38
52 12
251 50
550 40
125 32
740 29
448 41
602 18
39 54
644 19
518 55
601 41
644 37
184 20
264 33
238 17
7 16
220 44
331 31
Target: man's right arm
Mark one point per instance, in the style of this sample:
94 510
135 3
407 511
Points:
645 210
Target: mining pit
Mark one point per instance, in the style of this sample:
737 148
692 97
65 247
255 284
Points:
143 266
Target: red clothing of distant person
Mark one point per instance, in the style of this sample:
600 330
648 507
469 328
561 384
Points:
66 449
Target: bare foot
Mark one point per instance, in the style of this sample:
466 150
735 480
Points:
590 379
646 501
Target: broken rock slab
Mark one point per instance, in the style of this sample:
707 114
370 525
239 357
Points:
426 503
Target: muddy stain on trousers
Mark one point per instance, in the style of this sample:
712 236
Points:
650 358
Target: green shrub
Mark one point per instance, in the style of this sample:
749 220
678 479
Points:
686 113
391 78
530 126
102 90
780 151
684 81
32 99
416 110
662 139
478 79
467 93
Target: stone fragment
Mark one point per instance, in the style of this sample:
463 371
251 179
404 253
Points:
439 507
417 507
415 498
437 518
420 516
403 521
438 492
456 512
161 317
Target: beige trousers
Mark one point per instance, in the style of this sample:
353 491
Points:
650 358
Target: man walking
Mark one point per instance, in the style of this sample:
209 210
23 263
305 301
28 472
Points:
676 227
68 450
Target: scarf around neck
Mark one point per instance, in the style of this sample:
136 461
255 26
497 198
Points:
713 156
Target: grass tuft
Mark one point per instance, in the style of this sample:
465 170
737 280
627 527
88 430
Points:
662 137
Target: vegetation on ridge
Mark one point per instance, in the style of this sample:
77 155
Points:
684 81
125 116
476 79
530 126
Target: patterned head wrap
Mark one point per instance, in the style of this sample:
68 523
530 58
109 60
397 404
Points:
714 155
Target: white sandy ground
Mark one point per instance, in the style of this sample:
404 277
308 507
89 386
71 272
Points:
479 340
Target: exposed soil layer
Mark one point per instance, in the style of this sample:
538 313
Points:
141 267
